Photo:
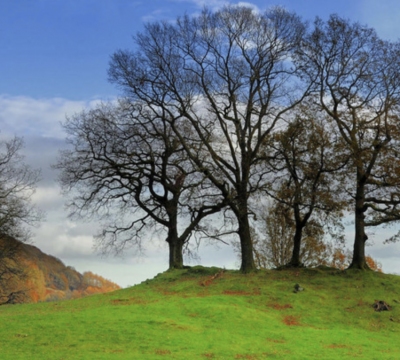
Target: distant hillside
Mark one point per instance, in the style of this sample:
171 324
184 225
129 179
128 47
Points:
47 278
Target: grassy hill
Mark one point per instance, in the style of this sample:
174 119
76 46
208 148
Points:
203 313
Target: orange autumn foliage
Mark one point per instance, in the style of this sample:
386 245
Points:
46 278
341 260
373 265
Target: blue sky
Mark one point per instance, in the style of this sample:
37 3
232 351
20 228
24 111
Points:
53 62
61 48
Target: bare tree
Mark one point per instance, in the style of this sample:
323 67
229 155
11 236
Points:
229 76
17 215
358 82
129 169
308 164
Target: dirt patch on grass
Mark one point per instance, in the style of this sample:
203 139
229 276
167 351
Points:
201 295
336 346
131 301
276 341
350 309
170 293
179 327
246 356
119 301
210 279
162 352
276 306
292 320
208 355
237 293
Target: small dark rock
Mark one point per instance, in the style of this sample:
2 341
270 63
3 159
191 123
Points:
381 306
298 288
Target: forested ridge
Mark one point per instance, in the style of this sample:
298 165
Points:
41 277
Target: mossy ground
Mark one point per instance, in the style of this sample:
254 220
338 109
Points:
191 314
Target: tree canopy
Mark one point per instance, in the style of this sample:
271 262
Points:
132 172
228 78
226 111
358 81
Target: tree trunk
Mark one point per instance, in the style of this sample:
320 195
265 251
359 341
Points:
175 253
246 244
358 261
175 244
295 261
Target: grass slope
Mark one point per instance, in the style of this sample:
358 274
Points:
189 315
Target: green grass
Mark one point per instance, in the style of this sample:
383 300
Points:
235 316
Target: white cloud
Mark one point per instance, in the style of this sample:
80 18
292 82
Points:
217 4
155 15
25 116
48 198
212 4
250 5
